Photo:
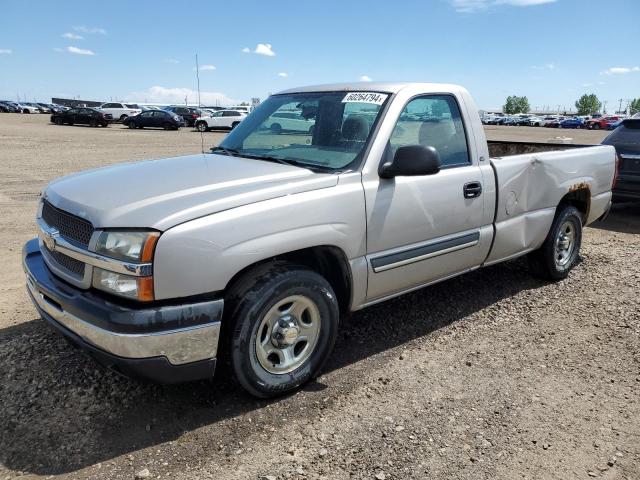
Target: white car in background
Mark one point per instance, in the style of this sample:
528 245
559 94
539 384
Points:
120 111
241 108
289 122
222 119
26 108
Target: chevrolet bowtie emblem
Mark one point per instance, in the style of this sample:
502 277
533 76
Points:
49 238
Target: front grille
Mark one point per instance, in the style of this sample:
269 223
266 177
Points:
69 265
74 229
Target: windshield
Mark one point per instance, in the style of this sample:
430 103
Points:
323 130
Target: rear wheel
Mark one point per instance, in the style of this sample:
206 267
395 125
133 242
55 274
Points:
58 121
234 125
202 126
167 126
559 252
123 117
93 122
285 320
131 125
596 126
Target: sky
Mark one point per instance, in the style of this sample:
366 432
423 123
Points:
552 51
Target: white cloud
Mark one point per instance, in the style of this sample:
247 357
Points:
172 60
619 70
264 49
79 51
365 78
207 68
177 95
5 51
83 29
546 66
283 74
472 6
72 36
246 50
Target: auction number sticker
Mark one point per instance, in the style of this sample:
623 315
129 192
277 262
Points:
365 97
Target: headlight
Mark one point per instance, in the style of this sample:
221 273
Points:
127 246
133 247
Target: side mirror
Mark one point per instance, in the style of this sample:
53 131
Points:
412 160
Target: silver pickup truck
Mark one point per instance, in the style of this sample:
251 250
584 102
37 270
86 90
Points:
251 253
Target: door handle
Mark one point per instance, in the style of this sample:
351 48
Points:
472 189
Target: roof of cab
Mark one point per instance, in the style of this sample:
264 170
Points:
386 87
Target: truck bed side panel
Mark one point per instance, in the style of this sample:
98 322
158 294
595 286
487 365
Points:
530 187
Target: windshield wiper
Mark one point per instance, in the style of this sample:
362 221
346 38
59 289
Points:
227 151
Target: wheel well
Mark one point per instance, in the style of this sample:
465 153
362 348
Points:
579 198
327 260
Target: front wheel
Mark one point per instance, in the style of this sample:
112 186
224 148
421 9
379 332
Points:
285 321
596 126
559 252
202 126
132 125
123 118
58 121
93 123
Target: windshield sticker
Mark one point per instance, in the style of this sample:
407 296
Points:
365 97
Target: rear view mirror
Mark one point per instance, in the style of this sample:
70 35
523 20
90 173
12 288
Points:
412 160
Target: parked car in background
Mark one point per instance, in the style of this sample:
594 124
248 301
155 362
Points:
290 122
26 108
626 140
533 121
189 114
614 125
120 111
44 108
555 123
246 109
9 107
155 119
574 122
83 116
601 122
222 119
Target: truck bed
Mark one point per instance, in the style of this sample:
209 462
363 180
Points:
531 181
500 148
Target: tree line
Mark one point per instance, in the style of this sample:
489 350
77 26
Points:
587 104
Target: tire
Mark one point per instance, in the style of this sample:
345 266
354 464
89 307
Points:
596 126
131 125
202 127
26 111
271 303
123 117
551 261
276 128
58 121
234 125
93 123
167 126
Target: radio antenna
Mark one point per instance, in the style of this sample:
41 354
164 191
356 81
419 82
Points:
199 104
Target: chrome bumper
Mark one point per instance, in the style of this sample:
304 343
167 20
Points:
104 324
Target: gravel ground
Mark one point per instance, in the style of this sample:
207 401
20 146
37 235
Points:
493 375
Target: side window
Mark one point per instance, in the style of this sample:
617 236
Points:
156 114
73 111
146 114
230 114
433 120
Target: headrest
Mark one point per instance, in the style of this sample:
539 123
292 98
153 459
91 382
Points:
355 128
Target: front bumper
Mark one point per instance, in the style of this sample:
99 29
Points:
168 343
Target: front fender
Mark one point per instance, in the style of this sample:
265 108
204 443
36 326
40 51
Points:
201 256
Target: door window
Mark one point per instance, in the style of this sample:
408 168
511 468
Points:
433 120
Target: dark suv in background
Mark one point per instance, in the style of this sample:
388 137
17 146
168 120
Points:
189 114
626 140
82 115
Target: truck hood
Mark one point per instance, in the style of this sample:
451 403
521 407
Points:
163 193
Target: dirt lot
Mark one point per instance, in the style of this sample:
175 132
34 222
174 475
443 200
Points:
493 375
